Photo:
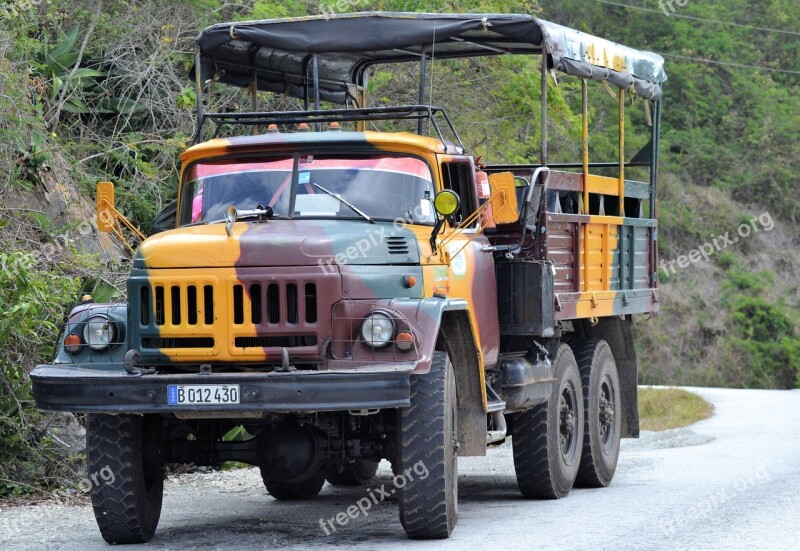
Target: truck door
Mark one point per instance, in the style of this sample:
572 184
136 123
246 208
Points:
471 273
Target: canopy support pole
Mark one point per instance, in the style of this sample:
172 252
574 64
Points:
621 95
198 82
585 142
585 155
543 159
655 140
254 99
423 73
315 63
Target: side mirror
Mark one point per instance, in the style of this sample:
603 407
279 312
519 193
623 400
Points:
504 198
447 202
105 207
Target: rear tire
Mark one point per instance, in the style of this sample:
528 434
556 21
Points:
356 474
127 506
548 439
427 433
601 398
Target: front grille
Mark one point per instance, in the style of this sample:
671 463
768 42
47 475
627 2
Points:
397 245
178 342
276 341
178 308
197 316
273 304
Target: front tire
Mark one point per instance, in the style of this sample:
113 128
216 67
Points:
547 440
427 434
601 399
127 475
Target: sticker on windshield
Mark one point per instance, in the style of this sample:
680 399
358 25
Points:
425 208
316 205
304 177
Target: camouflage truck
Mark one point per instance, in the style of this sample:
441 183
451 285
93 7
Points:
347 296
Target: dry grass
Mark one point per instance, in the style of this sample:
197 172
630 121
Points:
670 408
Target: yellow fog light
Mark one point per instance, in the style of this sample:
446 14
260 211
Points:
446 202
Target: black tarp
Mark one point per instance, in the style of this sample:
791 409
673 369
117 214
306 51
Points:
278 53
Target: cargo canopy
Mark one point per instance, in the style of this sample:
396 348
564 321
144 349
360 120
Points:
277 54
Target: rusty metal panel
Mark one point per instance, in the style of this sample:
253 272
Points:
562 245
565 181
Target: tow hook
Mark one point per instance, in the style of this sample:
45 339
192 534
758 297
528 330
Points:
285 367
132 358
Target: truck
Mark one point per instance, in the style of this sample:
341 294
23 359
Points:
343 296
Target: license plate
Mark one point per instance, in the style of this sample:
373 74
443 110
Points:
184 395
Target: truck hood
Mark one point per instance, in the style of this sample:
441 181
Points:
280 243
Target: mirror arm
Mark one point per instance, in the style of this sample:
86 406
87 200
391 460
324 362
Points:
436 229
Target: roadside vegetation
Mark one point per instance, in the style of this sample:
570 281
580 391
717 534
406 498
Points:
671 408
101 90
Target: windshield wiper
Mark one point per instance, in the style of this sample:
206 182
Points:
345 202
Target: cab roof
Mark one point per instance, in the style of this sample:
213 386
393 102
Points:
384 141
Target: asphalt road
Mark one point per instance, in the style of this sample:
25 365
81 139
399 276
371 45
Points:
730 482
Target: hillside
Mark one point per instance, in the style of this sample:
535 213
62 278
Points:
92 91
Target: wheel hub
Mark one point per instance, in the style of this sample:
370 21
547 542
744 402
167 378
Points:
606 413
568 422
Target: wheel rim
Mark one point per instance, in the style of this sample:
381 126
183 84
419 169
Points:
607 413
568 425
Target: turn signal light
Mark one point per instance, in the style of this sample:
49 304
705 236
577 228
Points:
72 343
404 341
409 281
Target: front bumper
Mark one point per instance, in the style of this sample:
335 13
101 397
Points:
82 390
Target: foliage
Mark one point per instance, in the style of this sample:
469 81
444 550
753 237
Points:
31 307
765 332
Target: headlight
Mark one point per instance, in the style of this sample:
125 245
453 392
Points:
98 332
377 330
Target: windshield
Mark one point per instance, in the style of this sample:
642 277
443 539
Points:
384 187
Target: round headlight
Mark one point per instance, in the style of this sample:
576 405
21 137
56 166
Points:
98 332
377 330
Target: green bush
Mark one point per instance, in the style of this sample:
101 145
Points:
32 298
765 333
